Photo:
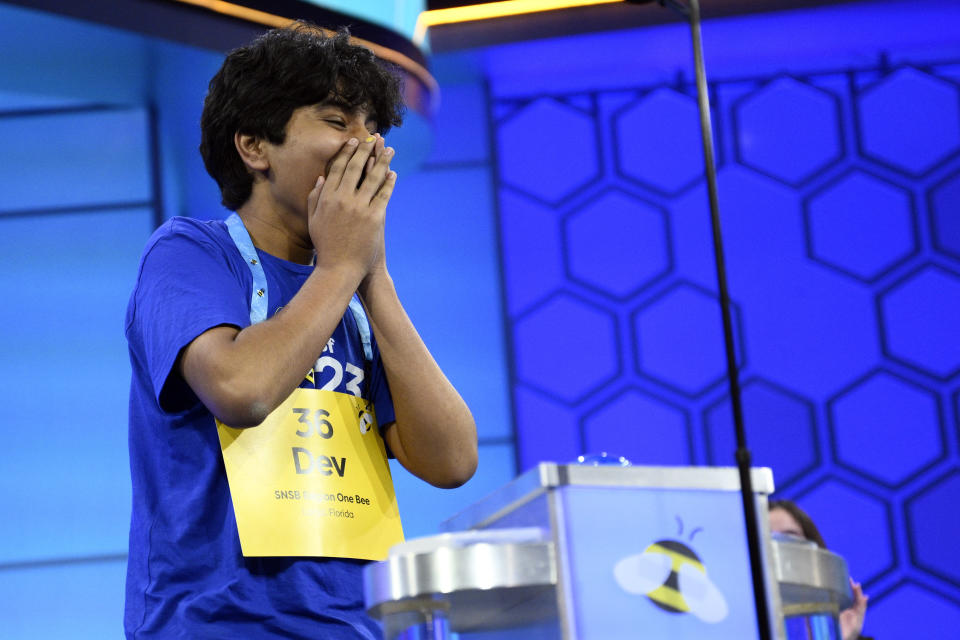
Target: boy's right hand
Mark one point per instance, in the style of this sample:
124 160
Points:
346 209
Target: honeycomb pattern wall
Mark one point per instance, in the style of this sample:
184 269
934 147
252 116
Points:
840 199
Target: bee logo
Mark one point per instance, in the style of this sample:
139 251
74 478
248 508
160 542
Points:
674 578
364 418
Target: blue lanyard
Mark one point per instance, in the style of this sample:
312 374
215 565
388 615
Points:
259 297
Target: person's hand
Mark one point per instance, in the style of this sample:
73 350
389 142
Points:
377 276
851 620
379 267
346 208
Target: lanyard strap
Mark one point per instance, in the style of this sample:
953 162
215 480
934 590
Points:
362 326
258 299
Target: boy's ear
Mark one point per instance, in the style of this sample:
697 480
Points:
252 151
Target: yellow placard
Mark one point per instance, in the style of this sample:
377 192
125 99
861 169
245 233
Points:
313 480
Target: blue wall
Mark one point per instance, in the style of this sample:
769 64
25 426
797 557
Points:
76 204
838 136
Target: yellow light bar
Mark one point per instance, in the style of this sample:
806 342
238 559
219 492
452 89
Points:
272 20
490 10
244 13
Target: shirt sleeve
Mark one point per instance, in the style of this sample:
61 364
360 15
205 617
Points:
187 285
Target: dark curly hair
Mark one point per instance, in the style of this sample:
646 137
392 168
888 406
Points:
260 85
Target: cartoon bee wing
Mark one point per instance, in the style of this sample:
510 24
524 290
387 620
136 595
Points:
643 572
704 599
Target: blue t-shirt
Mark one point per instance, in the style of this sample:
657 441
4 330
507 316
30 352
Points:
186 575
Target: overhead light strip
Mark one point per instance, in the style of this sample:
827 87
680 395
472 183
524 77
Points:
489 10
273 20
244 13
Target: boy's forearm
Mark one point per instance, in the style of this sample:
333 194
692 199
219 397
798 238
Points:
434 435
244 375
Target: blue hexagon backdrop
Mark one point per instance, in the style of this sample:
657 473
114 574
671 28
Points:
840 200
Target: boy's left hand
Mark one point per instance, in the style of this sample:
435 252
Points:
379 267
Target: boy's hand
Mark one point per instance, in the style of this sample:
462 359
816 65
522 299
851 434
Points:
346 209
379 266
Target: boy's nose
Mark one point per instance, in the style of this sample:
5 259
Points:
358 131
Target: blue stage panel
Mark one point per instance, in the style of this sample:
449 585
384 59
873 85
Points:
76 601
533 251
945 215
550 431
679 339
548 150
602 234
907 415
861 225
910 120
837 133
461 125
441 251
663 440
909 606
566 348
658 141
789 130
101 157
66 375
935 523
919 315
772 416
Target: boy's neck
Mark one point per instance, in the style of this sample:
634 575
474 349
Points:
281 235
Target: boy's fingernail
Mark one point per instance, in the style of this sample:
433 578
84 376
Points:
352 141
319 181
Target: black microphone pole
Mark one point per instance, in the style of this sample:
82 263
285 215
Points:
692 12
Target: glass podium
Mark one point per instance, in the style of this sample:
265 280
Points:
568 552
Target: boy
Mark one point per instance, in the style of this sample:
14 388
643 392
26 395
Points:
223 385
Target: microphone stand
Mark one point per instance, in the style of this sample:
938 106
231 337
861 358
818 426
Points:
692 12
